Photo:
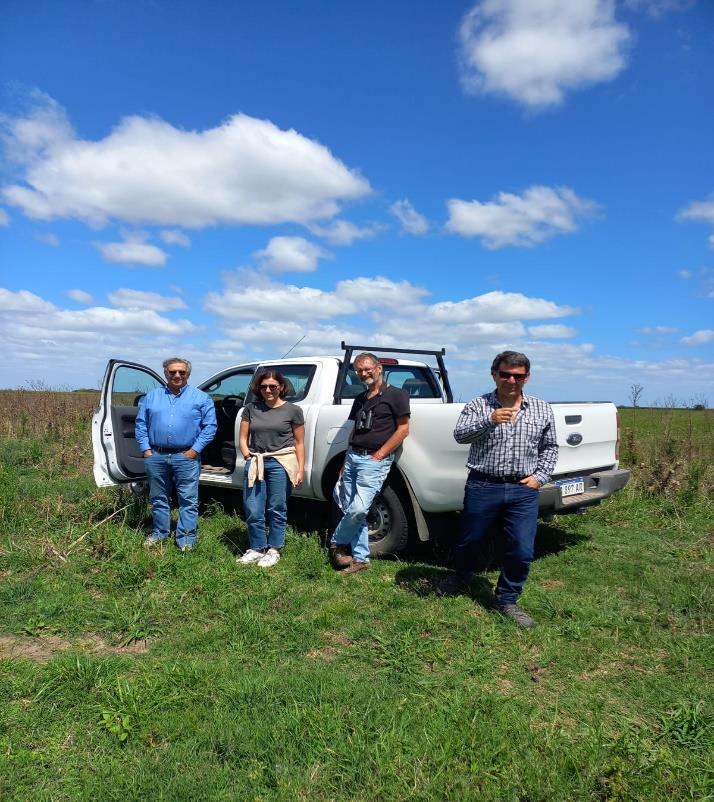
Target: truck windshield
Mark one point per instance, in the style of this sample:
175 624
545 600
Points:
418 381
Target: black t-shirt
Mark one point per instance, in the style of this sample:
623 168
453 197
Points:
388 405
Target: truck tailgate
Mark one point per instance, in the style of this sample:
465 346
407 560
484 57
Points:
587 436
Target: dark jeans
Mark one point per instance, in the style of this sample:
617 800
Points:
516 507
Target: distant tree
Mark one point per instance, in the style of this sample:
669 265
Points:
636 394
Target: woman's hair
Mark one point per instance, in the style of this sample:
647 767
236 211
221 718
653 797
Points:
268 373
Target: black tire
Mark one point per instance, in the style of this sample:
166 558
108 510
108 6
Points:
387 523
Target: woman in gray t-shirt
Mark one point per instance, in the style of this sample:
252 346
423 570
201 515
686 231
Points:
272 434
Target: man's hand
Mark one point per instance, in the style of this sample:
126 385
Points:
190 454
530 481
378 455
148 453
502 415
299 478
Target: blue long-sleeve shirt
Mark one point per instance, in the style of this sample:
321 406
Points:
175 420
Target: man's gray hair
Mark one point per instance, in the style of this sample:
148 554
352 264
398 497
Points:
173 359
366 355
513 359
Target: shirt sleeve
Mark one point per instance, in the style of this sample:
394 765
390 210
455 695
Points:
400 404
207 426
356 404
298 418
474 422
141 426
547 450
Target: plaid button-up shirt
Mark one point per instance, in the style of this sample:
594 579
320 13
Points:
524 447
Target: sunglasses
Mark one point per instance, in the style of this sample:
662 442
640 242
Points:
270 387
176 372
519 377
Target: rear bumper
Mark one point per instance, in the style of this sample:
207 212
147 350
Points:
598 486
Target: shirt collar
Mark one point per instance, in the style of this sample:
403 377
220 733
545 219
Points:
493 399
179 393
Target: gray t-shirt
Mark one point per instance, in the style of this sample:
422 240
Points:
271 428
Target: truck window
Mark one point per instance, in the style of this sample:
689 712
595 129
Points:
418 381
298 378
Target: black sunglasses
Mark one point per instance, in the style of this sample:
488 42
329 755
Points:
519 377
269 386
180 372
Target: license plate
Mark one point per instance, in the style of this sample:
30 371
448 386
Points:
571 487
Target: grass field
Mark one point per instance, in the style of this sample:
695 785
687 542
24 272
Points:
127 674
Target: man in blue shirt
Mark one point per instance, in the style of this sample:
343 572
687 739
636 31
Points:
173 426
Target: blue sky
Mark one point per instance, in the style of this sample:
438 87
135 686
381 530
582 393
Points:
221 180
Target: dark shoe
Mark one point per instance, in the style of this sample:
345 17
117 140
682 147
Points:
341 556
454 584
354 566
514 611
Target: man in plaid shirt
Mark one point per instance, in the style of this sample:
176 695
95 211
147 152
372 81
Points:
513 452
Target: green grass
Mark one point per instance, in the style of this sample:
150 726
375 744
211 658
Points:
132 674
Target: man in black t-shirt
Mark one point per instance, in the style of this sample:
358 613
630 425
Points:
381 416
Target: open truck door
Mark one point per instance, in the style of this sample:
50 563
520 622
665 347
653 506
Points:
117 458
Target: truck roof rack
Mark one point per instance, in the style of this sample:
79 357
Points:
350 349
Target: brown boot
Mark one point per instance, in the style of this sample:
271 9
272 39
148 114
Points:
355 565
341 556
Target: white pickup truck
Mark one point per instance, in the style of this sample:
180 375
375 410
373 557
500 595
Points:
428 476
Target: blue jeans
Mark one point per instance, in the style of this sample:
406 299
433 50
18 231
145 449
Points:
362 479
165 471
516 506
267 500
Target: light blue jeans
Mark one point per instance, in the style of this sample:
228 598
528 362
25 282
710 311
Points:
164 471
267 500
362 479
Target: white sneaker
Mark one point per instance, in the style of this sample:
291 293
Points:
269 559
251 556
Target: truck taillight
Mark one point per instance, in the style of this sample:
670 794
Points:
617 439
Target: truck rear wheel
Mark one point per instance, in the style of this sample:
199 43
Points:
387 523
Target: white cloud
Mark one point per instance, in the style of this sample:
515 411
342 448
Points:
23 302
534 51
146 171
138 299
498 306
80 296
551 332
49 239
175 237
342 232
380 292
134 250
291 254
685 274
711 240
412 222
4 218
248 295
698 210
700 337
519 220
659 330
